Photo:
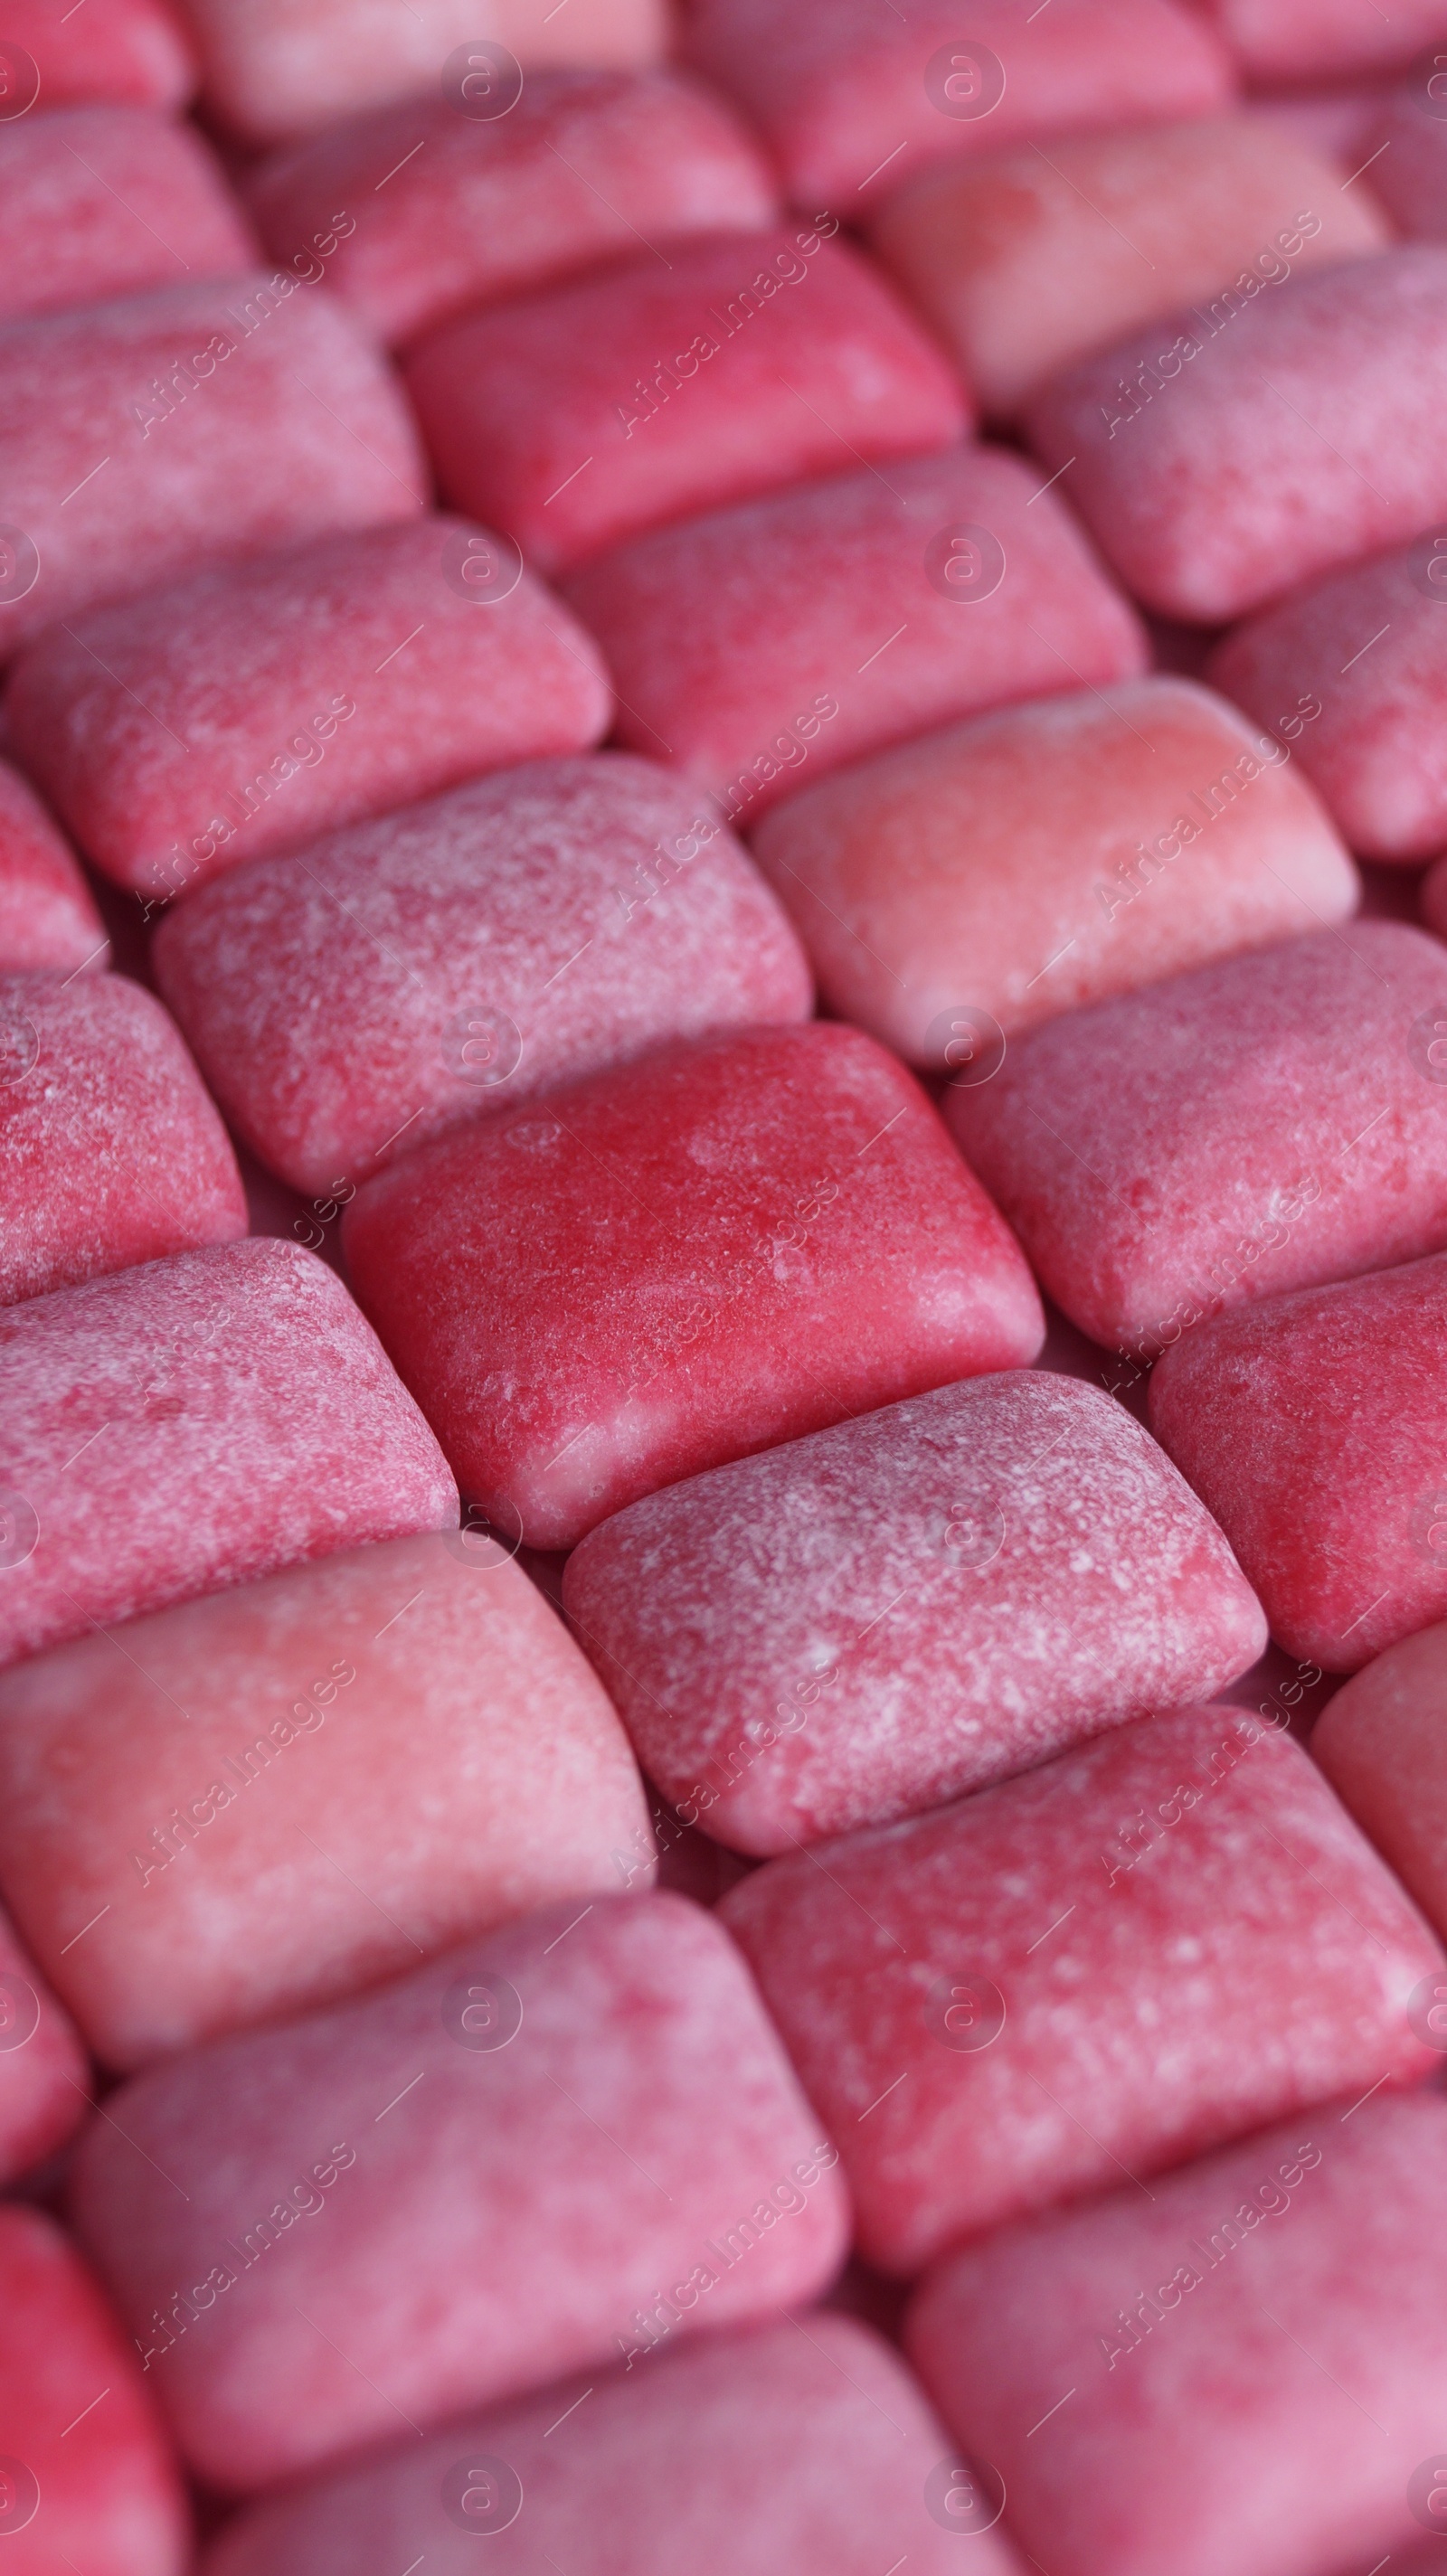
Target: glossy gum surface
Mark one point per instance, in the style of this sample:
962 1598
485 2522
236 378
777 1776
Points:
48 920
131 50
500 2209
44 2087
453 960
104 200
1380 1743
912 1605
1276 40
723 1247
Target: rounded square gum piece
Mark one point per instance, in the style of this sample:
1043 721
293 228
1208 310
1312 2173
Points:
1259 1125
873 1620
444 211
129 50
820 624
1152 1945
191 1424
1281 2309
44 2079
579 416
111 1151
257 704
48 919
788 2450
851 98
717 1249
1024 262
1313 1428
101 200
220 419
458 2189
452 961
1379 1740
1321 40
961 889
275 1797
1234 450
88 2481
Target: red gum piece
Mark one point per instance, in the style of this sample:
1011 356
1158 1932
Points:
47 917
163 728
130 50
449 213
1260 1125
580 416
1052 1576
99 200
1315 40
1379 1740
806 627
571 914
44 2081
722 1247
236 1414
1175 1969
487 2228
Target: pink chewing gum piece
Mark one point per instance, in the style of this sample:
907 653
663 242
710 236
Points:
1291 40
1260 1125
867 1622
1312 1426
217 420
789 2450
48 919
1408 143
1379 1740
597 31
1155 1943
1341 120
520 2153
851 98
441 211
236 1414
579 416
130 50
1023 864
111 1151
1362 657
88 2481
103 200
257 704
822 623
1236 449
44 2087
455 1763
700 1255
1027 261
1282 2308
452 961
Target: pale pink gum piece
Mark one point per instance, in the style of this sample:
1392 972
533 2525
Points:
454 960
274 1798
88 2481
1292 40
584 163
48 919
807 629
255 705
580 415
44 2080
222 419
111 1150
1244 2371
1313 1427
1149 1946
1409 149
1379 1740
191 1424
1263 1124
867 1622
530 2146
800 2449
719 1248
1243 445
1340 121
129 50
1054 854
103 200
851 97
627 32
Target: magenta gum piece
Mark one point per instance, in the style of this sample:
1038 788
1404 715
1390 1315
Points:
1380 1742
580 416
872 1620
1149 1946
130 50
217 419
192 1424
1237 449
822 623
255 705
453 961
111 1152
1247 2372
1257 1126
522 2154
103 200
722 1247
1313 1426
456 1763
44 2089
584 163
48 920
